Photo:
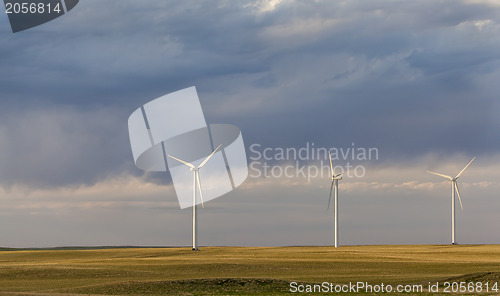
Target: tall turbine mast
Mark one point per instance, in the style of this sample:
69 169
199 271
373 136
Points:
196 180
335 181
454 188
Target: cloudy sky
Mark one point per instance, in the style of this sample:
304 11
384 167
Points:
417 80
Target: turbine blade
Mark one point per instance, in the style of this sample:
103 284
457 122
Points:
465 168
206 159
329 199
441 175
199 188
180 160
458 193
331 164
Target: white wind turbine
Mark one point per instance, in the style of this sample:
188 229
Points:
196 179
335 181
454 187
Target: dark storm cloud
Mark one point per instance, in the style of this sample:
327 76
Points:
417 79
57 146
109 53
408 77
414 86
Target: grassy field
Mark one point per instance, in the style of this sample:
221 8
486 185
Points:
239 271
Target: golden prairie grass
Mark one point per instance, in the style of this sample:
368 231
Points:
235 270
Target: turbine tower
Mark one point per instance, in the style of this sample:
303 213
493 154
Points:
196 180
454 187
335 181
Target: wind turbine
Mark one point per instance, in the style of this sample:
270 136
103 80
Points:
454 187
196 180
335 181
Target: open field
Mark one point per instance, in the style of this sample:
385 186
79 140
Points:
238 270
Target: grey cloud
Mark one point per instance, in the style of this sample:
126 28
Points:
58 146
407 77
